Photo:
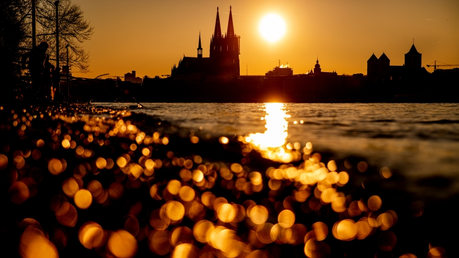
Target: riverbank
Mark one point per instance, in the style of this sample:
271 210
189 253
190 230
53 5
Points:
81 180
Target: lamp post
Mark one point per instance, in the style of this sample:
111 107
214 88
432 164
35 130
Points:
34 31
68 74
58 75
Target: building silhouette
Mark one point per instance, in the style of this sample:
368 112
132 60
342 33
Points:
216 79
379 69
281 70
223 60
131 77
318 71
413 59
317 68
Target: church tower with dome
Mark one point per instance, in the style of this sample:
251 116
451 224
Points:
317 69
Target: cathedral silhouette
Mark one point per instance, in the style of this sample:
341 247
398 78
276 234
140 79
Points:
223 60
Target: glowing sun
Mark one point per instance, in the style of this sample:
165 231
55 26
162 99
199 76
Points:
272 27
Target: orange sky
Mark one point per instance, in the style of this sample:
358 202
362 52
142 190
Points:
151 36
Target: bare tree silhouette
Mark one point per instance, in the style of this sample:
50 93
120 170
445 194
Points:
12 32
73 30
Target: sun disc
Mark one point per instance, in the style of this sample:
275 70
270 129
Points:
272 27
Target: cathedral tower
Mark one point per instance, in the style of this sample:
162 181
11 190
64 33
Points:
224 50
223 59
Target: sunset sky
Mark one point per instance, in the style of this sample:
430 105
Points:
151 36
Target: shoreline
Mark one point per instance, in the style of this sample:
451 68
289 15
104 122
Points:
142 164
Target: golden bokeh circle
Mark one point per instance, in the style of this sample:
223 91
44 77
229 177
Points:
19 192
83 199
175 210
202 230
286 218
92 235
185 250
258 214
226 212
122 244
187 193
374 203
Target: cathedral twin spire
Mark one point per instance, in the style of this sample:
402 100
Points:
223 57
218 33
224 49
230 30
218 30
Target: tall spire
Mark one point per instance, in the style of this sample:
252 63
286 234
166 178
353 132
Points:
218 31
230 31
199 46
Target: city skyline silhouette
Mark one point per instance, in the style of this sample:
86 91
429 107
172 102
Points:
153 36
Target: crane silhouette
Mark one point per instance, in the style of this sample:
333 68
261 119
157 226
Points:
435 65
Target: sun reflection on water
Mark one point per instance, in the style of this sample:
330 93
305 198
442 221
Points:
272 144
276 127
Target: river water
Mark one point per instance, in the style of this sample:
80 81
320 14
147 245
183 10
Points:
418 141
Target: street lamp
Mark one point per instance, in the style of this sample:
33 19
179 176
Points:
34 23
68 74
57 46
